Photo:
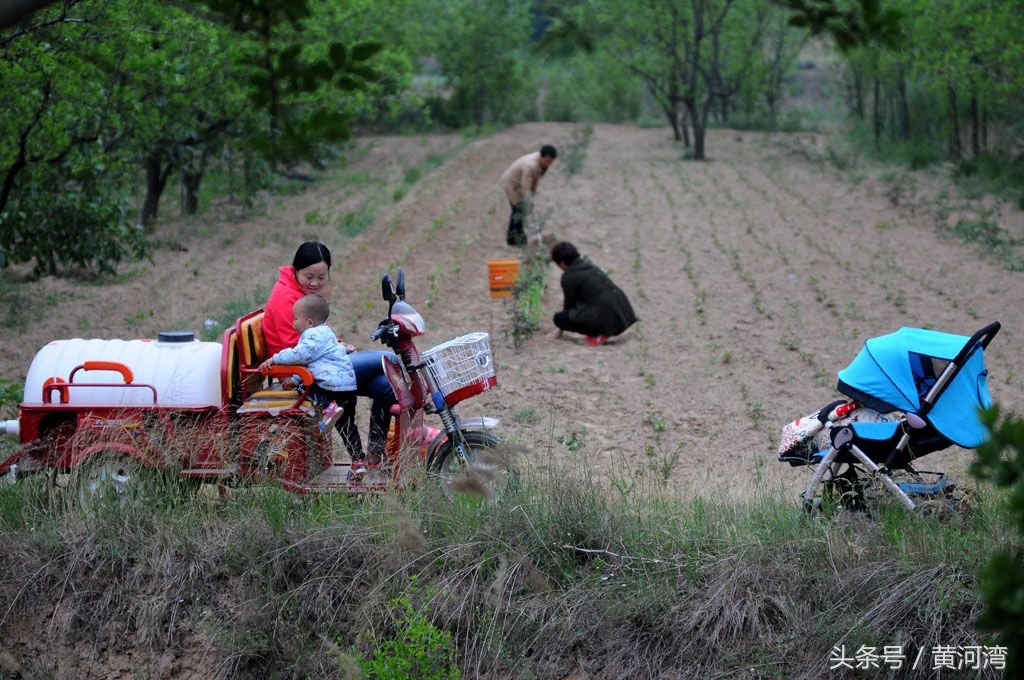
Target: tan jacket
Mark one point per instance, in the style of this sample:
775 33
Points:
521 178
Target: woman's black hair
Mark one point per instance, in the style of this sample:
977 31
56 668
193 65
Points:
564 252
309 253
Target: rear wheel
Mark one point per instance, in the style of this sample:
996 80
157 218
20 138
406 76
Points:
107 478
485 472
112 479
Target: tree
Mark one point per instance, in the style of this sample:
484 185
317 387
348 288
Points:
694 57
1003 577
477 45
851 23
62 143
290 79
93 90
953 70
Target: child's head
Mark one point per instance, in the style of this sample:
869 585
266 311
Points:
309 311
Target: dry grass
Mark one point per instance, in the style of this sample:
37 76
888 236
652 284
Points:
557 577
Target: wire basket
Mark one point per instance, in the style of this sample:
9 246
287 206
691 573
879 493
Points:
462 367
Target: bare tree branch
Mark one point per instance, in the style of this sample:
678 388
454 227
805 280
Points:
21 161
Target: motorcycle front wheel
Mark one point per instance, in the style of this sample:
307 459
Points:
485 472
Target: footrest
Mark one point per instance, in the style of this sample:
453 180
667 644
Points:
275 394
924 488
273 406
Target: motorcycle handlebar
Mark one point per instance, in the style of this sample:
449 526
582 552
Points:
385 327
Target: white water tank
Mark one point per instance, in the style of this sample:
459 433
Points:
184 371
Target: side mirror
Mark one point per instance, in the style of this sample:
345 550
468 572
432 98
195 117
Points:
400 286
386 289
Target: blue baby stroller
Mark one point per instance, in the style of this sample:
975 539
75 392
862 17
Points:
911 393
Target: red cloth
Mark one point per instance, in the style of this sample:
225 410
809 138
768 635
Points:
277 320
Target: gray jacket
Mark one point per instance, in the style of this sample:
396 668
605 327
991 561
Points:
324 356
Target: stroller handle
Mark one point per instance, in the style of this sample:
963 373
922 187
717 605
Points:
982 337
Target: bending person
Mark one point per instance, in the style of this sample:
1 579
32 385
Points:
594 306
519 182
309 274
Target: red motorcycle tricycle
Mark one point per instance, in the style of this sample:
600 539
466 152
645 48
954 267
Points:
105 409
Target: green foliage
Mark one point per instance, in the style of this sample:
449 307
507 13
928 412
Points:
94 93
10 397
527 298
297 83
592 86
418 649
477 44
851 24
85 225
354 223
233 309
577 151
950 89
694 60
1001 461
73 101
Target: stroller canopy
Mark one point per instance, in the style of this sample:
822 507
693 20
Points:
895 372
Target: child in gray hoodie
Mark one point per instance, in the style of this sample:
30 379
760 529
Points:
327 359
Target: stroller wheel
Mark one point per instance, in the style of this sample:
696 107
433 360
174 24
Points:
953 503
935 508
846 490
843 489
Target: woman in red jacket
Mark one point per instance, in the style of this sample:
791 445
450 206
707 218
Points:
309 274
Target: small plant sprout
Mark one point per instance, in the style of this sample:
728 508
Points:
655 421
526 416
574 439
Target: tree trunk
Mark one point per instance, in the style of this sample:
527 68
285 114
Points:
21 162
478 108
890 112
190 180
984 129
684 126
877 113
698 120
904 109
698 141
858 92
673 119
975 127
156 180
955 149
231 172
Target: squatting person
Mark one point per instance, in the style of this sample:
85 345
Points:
594 306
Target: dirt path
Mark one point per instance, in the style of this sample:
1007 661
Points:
756 276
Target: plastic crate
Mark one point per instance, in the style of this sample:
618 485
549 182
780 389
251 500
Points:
462 367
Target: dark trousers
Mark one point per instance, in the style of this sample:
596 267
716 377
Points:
346 424
371 382
563 321
516 225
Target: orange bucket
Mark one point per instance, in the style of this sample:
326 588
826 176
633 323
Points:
502 274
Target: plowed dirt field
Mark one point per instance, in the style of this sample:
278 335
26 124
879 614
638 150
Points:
756 276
